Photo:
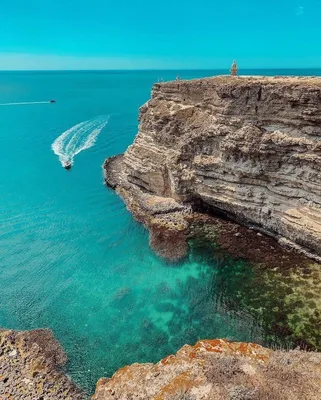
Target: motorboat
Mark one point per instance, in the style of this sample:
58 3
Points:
52 101
67 165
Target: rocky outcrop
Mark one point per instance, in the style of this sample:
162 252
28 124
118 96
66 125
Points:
219 370
247 146
29 363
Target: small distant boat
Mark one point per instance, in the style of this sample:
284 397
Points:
52 101
67 165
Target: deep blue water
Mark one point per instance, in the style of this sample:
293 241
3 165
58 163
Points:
71 257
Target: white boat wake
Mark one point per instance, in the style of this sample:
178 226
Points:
78 138
25 103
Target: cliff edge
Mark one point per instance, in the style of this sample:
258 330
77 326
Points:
247 146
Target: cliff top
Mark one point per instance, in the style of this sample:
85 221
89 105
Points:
244 79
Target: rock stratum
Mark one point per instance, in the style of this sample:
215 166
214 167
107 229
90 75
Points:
219 370
247 146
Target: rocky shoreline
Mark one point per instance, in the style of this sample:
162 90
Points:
211 369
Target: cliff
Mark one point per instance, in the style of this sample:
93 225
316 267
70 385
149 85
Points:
218 370
246 146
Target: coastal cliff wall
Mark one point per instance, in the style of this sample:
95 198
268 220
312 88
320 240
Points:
248 146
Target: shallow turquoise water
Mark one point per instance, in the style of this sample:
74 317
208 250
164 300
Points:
71 257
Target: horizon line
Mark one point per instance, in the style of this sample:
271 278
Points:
158 69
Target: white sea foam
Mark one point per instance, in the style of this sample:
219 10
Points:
78 138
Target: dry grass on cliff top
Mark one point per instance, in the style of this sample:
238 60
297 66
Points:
293 375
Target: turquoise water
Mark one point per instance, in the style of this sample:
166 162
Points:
71 257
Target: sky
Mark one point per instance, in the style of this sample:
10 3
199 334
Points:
167 34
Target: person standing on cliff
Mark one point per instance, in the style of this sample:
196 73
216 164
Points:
234 69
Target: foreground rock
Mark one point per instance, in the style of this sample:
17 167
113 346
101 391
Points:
248 146
28 367
219 370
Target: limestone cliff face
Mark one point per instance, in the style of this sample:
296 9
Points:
218 370
249 146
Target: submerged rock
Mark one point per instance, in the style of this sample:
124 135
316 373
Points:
29 367
218 370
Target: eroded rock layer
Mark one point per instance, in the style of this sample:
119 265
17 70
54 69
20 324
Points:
249 146
218 370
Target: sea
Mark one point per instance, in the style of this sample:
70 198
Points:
72 258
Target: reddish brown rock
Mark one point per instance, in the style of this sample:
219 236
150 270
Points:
219 370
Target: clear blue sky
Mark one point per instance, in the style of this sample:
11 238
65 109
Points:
122 34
